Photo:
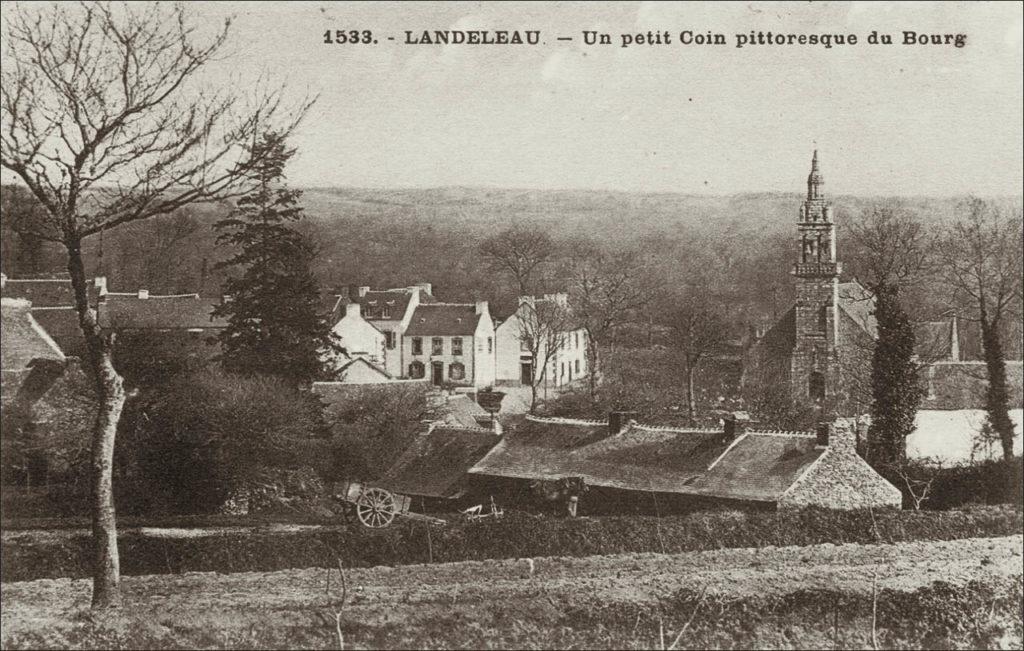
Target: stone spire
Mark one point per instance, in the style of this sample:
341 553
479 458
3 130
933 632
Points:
815 180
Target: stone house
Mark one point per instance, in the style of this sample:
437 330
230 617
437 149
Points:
629 465
47 400
450 343
515 363
53 306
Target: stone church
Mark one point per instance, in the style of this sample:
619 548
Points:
819 351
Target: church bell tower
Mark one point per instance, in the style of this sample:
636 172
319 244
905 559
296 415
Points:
814 371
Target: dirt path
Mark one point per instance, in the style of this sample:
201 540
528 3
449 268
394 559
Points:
409 594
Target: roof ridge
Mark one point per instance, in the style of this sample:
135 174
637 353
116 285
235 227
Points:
153 296
564 421
672 428
463 428
783 433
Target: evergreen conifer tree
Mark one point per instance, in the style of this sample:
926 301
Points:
896 391
275 326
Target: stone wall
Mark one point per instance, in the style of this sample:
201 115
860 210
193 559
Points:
841 479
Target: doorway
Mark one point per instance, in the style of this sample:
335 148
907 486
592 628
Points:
526 373
437 373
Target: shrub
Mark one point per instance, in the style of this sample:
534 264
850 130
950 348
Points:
211 434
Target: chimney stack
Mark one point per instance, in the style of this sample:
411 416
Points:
481 307
3 280
143 294
100 283
363 291
822 433
619 420
736 424
426 288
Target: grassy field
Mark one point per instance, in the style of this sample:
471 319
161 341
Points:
190 547
952 594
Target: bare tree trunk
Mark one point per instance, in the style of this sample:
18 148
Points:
996 395
594 361
690 399
106 591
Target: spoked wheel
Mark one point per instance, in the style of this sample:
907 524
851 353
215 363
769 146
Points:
376 508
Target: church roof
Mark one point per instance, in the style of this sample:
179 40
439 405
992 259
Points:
859 305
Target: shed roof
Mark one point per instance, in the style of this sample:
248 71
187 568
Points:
46 292
183 312
755 466
443 319
22 339
437 462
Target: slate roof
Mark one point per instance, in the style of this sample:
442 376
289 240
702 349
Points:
443 319
22 339
859 305
756 466
437 462
184 312
365 362
46 292
373 304
61 323
460 410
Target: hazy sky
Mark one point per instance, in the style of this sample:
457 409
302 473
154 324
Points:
887 119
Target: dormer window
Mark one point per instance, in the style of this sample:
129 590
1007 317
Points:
385 313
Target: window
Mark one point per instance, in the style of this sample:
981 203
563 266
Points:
816 386
389 338
417 346
385 313
456 345
823 318
416 370
561 371
437 346
576 343
577 365
526 343
490 344
456 371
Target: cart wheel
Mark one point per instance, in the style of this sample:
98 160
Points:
376 508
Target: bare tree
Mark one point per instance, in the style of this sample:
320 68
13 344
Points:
892 249
700 328
519 252
608 288
105 122
545 327
983 260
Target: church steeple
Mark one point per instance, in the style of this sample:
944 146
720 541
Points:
813 371
815 180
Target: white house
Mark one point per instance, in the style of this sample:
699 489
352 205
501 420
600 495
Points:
515 359
359 337
390 311
450 343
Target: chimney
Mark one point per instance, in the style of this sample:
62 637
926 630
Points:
143 294
822 433
363 291
100 283
619 420
3 280
736 424
481 307
353 292
560 299
352 309
426 288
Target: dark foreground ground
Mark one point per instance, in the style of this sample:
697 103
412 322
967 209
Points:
938 594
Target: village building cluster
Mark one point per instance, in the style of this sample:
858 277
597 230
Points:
460 351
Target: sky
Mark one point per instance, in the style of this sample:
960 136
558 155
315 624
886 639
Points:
888 120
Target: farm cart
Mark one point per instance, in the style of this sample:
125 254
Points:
376 507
